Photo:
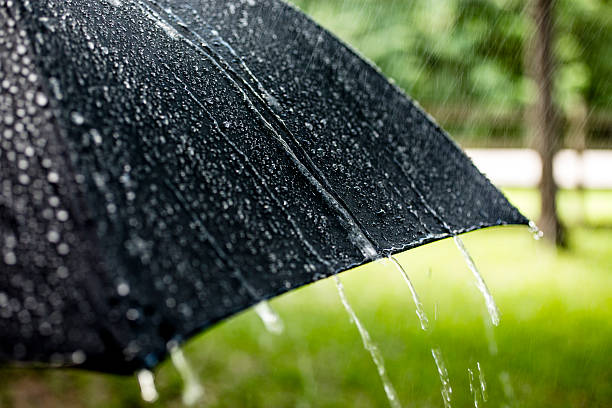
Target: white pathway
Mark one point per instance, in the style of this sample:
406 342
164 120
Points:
521 167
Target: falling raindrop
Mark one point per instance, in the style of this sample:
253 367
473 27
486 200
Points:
77 118
444 379
535 231
41 99
123 289
480 283
483 383
504 379
371 347
269 317
146 380
78 357
193 391
473 387
420 311
490 336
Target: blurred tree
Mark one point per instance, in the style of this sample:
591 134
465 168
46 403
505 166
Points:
543 118
465 61
462 59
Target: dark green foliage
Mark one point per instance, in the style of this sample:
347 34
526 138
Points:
464 59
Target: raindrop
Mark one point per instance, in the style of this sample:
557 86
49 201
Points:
55 87
370 346
473 387
420 311
62 272
41 99
146 380
478 387
483 383
53 177
10 258
193 391
53 236
269 317
480 283
78 357
62 215
535 231
444 379
63 249
132 314
490 336
77 118
123 289
504 379
24 179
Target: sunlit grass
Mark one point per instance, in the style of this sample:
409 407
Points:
552 348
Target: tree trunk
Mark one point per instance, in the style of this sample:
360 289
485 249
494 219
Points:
543 117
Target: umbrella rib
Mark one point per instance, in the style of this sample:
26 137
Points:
410 209
258 175
359 236
421 197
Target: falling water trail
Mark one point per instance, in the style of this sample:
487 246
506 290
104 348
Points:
504 379
490 302
370 346
490 335
535 231
193 391
483 383
473 387
444 379
420 311
269 317
480 283
146 380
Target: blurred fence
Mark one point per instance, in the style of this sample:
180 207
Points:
522 167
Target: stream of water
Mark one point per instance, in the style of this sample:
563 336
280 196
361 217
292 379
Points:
444 378
480 283
193 391
146 380
269 317
371 347
420 310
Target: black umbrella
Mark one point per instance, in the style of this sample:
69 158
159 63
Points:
166 164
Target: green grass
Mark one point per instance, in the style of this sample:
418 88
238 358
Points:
552 348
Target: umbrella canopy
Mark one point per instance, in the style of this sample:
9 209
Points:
166 164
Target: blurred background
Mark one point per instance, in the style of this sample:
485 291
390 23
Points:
525 87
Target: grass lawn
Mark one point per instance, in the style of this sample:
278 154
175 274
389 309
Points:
553 347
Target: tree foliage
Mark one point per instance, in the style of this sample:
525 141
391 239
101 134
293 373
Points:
464 59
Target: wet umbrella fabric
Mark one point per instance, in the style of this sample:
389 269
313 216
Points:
167 164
